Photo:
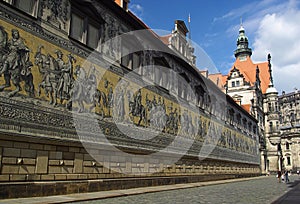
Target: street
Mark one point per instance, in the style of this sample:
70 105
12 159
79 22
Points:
261 190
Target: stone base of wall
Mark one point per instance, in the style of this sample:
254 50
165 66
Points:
33 189
43 165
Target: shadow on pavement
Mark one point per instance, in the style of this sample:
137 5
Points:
292 196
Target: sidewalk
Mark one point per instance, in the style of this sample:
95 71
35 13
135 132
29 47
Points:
114 193
292 196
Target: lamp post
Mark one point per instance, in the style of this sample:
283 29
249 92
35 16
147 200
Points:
280 159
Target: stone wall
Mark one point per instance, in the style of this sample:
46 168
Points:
32 166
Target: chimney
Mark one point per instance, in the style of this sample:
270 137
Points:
123 4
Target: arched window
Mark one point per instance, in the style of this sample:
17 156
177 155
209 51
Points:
287 146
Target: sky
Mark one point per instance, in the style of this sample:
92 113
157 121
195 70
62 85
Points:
272 26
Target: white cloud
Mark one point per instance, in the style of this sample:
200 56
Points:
137 10
279 34
272 27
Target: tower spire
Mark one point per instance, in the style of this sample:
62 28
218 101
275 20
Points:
242 50
190 32
270 70
241 20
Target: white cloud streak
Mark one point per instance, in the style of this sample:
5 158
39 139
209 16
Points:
273 27
279 34
137 10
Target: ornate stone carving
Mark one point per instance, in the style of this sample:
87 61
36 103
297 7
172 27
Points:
56 12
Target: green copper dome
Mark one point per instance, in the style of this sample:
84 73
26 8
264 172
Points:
242 44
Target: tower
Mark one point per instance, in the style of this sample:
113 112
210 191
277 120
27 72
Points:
272 125
242 50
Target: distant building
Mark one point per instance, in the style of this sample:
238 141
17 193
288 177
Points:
289 118
251 86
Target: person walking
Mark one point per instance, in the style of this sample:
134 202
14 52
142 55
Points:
279 176
286 176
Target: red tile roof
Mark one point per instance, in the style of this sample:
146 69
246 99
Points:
248 69
218 79
246 107
165 39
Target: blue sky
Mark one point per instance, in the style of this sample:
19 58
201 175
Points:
272 26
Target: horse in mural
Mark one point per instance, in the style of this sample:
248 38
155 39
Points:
15 64
84 91
136 109
53 75
48 67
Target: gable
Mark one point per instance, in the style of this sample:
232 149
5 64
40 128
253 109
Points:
248 69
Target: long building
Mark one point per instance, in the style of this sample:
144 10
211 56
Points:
91 99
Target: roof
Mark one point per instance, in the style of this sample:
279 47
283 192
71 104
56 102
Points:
165 39
248 69
218 79
246 107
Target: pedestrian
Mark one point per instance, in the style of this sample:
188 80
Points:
279 176
286 175
298 172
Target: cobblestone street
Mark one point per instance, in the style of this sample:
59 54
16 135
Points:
261 190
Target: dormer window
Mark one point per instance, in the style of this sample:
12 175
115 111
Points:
233 84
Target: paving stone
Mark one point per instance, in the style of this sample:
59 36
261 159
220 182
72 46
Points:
261 190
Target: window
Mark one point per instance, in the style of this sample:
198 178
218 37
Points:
288 161
28 6
131 61
270 127
233 84
269 107
77 27
93 36
129 58
254 129
237 83
84 30
287 146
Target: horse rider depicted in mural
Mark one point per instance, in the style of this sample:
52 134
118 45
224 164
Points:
12 59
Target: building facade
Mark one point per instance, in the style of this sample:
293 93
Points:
82 105
289 127
251 86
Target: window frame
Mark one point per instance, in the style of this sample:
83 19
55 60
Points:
87 21
233 84
288 161
35 7
287 146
